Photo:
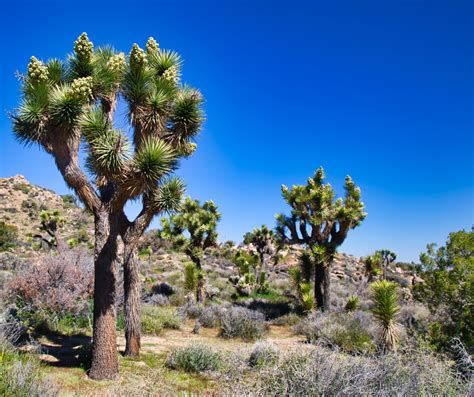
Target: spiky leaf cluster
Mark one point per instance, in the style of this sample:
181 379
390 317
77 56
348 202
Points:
79 97
193 229
385 311
317 217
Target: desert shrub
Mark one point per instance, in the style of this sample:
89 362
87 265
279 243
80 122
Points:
194 358
210 316
69 201
263 353
349 332
323 372
22 187
238 322
8 236
158 300
59 285
154 319
163 289
190 310
448 272
289 319
20 374
415 317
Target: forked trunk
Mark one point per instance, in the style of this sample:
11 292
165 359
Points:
104 351
131 282
322 286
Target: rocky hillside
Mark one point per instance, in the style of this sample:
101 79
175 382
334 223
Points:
21 204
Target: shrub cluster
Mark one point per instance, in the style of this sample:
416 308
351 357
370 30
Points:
324 372
263 353
193 358
350 332
238 322
154 319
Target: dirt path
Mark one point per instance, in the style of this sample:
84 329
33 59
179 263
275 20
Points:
282 337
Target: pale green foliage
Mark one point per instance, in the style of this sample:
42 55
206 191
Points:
200 223
385 311
193 358
190 277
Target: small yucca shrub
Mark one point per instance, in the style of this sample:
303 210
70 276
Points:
385 311
352 304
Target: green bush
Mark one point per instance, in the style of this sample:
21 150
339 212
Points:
154 319
69 201
8 236
194 358
22 187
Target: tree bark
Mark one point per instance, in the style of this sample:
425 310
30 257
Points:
104 351
200 292
322 286
131 280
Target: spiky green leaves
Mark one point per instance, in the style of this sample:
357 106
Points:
37 72
83 48
65 107
137 58
152 46
200 221
109 153
385 311
167 196
187 117
154 159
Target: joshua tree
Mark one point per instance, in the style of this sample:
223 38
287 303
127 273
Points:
264 242
388 257
385 310
66 104
200 222
381 259
322 223
51 222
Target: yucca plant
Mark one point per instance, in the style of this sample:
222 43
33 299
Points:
69 104
51 223
192 230
385 311
263 239
320 222
352 304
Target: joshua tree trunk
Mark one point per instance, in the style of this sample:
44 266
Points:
200 293
322 285
131 282
104 356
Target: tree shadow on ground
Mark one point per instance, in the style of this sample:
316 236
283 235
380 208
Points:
66 351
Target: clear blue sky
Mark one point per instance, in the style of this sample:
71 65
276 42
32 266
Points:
380 90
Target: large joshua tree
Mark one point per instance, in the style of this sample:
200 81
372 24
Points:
321 222
69 105
193 230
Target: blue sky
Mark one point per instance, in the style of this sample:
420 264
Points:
380 90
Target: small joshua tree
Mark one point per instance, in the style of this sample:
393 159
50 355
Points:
200 223
263 239
385 311
381 259
66 105
322 223
51 222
